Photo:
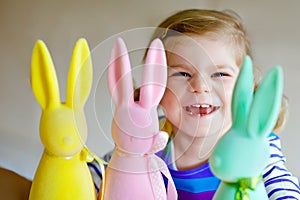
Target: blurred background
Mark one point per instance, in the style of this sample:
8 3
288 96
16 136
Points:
272 25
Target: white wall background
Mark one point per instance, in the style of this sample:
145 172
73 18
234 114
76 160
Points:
272 25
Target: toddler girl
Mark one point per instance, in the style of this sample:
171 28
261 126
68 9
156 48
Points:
205 50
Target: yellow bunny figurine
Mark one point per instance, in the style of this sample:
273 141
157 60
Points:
62 172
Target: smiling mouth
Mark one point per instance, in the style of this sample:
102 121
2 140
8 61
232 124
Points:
200 109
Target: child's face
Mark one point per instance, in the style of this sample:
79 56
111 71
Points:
201 78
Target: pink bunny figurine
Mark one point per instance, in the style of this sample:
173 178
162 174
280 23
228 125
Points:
134 171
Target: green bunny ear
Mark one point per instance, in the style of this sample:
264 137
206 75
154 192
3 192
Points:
266 105
242 95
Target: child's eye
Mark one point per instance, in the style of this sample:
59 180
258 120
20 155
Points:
184 74
219 74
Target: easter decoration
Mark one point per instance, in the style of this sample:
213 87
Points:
242 154
62 172
134 171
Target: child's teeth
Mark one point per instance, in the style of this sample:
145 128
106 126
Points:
199 109
205 106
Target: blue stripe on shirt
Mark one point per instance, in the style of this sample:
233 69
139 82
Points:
272 169
281 189
197 185
275 146
281 180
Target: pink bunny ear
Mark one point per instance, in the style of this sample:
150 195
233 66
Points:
154 75
119 74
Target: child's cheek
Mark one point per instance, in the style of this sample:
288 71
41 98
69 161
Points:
172 107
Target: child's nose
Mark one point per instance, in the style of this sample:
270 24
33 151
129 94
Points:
199 84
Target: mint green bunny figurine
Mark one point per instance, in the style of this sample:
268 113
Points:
242 154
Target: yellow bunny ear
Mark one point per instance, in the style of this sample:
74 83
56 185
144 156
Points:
43 77
80 75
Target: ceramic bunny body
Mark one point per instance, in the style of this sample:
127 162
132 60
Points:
242 154
229 186
134 171
62 172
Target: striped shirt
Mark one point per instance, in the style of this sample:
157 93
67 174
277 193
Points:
279 182
200 183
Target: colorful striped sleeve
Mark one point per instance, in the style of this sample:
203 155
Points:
96 172
279 182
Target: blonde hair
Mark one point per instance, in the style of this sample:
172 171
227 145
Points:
216 25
